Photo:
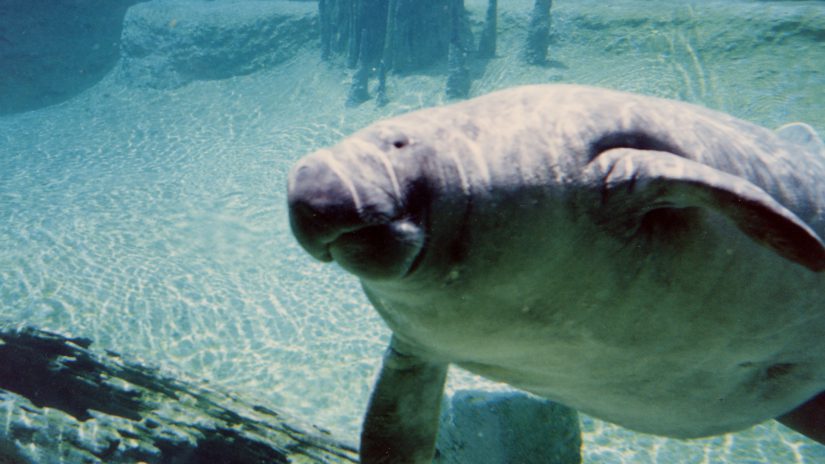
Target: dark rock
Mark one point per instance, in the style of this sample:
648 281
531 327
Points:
168 43
51 50
64 402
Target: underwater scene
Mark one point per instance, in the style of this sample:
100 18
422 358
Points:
155 305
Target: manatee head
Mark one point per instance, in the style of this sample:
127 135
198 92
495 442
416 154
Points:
362 202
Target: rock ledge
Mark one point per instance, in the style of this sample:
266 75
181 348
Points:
167 44
64 402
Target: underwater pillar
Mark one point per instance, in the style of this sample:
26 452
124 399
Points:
359 92
538 33
487 41
418 34
458 76
382 36
356 33
381 98
326 29
343 23
408 35
335 17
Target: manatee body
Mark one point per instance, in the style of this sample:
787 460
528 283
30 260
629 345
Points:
649 262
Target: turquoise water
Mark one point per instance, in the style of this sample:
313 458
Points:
154 221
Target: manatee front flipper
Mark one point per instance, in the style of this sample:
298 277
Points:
633 183
402 418
808 419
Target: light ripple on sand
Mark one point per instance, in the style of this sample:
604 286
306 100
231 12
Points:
155 223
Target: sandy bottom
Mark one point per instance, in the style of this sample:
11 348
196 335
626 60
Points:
155 223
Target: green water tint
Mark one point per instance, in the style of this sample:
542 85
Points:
154 222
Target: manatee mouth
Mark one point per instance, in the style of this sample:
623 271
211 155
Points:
373 250
378 251
322 250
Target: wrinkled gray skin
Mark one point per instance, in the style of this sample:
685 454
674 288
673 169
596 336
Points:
649 262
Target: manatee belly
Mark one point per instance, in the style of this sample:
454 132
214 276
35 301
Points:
687 342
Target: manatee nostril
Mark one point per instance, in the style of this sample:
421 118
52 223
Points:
400 141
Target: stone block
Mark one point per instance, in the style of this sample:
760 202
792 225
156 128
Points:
507 427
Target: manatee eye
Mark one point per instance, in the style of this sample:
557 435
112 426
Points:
400 143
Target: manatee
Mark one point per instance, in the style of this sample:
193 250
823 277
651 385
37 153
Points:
649 262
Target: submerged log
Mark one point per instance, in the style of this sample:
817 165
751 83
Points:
64 402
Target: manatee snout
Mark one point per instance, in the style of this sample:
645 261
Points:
321 207
345 209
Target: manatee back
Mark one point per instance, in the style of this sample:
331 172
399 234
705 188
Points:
802 134
551 131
